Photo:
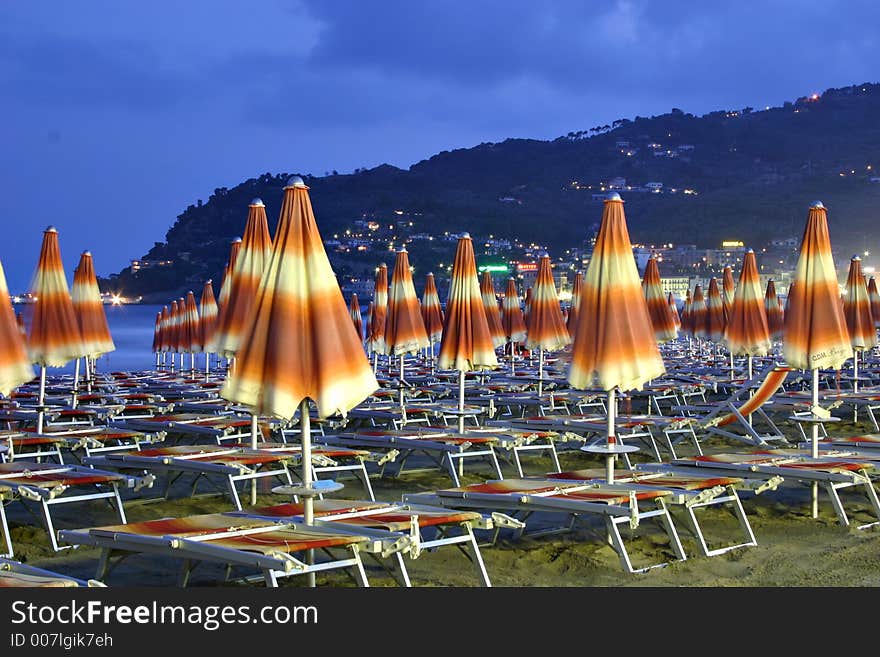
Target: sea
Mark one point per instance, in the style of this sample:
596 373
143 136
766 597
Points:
131 326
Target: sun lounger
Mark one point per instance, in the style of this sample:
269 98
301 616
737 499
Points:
616 503
232 464
18 575
276 549
50 484
832 474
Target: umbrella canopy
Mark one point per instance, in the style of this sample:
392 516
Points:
747 330
432 313
207 314
714 313
673 311
614 345
658 306
404 328
190 337
15 366
512 316
298 342
55 338
165 330
773 310
467 343
728 291
89 309
697 314
815 329
174 325
256 245
687 324
857 308
571 320
545 327
493 313
527 306
354 309
226 283
157 333
380 310
874 298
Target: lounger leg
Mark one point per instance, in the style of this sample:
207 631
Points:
452 470
519 470
401 574
47 516
477 557
271 579
365 479
7 538
119 506
358 568
837 504
616 541
666 519
740 514
495 462
103 565
233 492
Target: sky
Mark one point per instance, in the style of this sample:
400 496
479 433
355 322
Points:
115 116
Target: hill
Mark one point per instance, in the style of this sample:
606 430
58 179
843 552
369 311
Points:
736 174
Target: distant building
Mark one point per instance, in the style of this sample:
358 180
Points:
678 285
654 186
617 183
137 265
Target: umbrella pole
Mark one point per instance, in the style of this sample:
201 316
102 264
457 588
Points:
751 392
814 448
157 359
90 372
512 353
192 362
75 384
254 429
856 371
305 423
42 398
460 402
609 458
731 365
540 371
207 366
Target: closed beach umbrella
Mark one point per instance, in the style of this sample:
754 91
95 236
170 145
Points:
512 319
157 337
686 323
571 320
545 328
815 329
874 298
614 346
174 330
369 324
165 333
55 338
404 329
697 314
298 342
747 330
256 245
857 314
354 309
89 309
467 344
207 320
773 308
527 306
15 366
658 306
728 291
673 311
493 312
380 311
226 283
191 336
432 313
714 313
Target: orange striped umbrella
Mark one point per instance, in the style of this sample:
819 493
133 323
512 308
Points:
55 338
815 329
404 329
857 308
207 315
714 313
874 298
614 345
157 336
527 306
673 311
493 313
697 314
190 327
728 291
571 320
544 326
298 342
369 318
747 330
512 316
174 329
165 330
226 283
773 310
687 324
89 309
256 246
658 306
380 311
432 313
354 309
467 343
15 366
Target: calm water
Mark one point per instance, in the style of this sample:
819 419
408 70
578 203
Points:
132 329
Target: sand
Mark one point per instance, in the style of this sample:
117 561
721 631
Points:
793 549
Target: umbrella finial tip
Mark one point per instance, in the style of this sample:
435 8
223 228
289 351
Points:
614 196
465 236
237 239
296 181
87 253
51 229
747 251
855 257
258 202
817 205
